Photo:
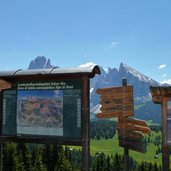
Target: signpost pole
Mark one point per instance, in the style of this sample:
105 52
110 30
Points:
126 159
165 158
165 148
1 148
126 150
85 124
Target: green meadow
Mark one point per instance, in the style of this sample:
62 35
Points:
110 147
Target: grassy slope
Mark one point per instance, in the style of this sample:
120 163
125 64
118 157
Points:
111 147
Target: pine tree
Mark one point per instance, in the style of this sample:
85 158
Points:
55 155
141 167
116 163
47 156
102 160
96 162
155 167
10 158
150 168
108 166
37 163
24 155
63 164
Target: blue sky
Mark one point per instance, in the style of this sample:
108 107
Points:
73 32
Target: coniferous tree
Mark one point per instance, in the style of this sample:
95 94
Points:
46 156
97 163
55 155
24 155
150 167
37 163
63 164
116 163
141 167
102 161
155 168
10 158
108 166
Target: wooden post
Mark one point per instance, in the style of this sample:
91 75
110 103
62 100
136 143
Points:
126 159
85 124
3 85
165 158
165 148
126 150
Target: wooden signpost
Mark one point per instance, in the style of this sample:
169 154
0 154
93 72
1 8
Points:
118 102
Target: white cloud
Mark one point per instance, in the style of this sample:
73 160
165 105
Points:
113 44
87 64
162 66
166 81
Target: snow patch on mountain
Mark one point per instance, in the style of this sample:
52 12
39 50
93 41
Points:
136 73
94 110
91 90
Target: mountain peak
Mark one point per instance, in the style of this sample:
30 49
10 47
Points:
40 62
126 70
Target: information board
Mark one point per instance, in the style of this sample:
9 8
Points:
49 108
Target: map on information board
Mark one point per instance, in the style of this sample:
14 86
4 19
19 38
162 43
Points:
40 112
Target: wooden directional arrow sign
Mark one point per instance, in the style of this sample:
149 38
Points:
130 134
134 125
136 122
116 101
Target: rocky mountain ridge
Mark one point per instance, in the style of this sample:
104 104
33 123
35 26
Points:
40 62
112 78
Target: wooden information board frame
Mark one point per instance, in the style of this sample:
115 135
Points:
10 78
161 95
166 102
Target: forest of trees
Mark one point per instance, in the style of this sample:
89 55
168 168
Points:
102 129
31 157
